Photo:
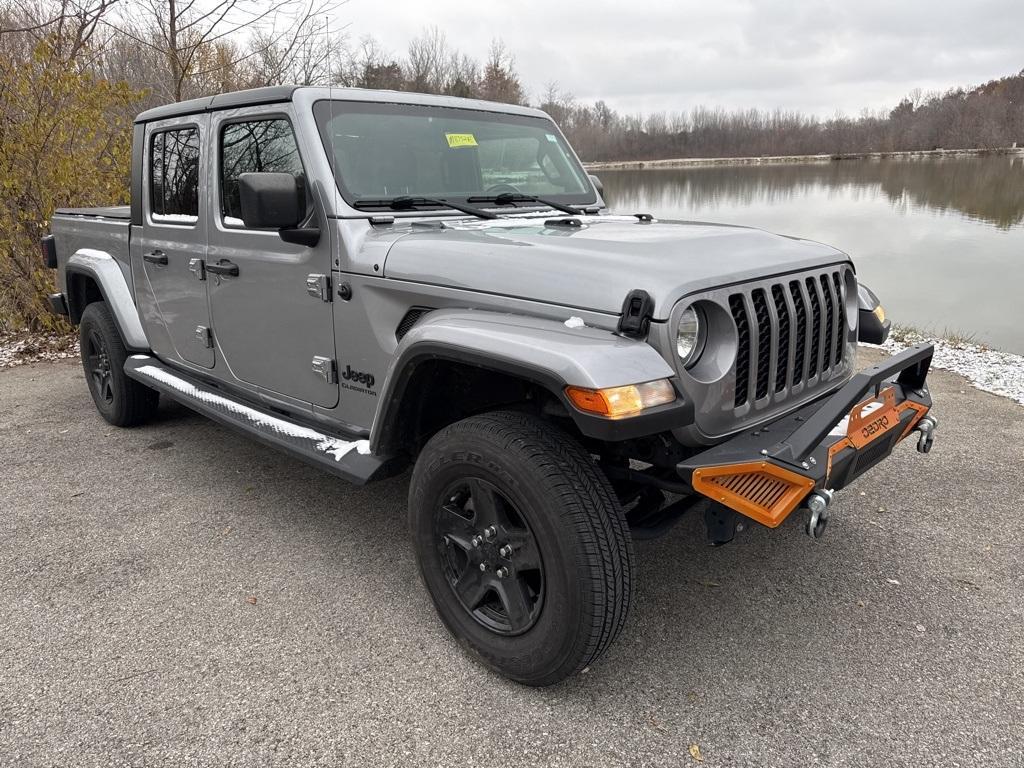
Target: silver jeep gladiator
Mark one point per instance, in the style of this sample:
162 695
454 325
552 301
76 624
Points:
371 281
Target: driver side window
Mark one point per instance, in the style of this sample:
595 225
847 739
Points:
252 147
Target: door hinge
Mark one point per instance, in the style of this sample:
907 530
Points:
319 287
326 369
204 336
198 268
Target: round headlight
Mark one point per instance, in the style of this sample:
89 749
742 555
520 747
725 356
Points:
688 336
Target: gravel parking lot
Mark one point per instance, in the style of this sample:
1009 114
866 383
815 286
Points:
176 596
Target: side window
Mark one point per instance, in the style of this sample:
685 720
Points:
253 147
174 176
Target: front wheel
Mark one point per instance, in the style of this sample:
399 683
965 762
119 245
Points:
522 545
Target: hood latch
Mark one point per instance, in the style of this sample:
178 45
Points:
637 311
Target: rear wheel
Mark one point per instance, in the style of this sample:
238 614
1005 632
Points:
522 545
120 400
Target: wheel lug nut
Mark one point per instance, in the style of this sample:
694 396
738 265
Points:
502 573
483 566
505 551
490 532
476 541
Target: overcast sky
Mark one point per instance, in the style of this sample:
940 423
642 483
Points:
657 55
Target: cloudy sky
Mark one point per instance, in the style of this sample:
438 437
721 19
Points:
659 55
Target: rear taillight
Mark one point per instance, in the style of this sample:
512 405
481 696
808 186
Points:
49 248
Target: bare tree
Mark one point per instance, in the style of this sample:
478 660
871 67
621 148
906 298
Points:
429 62
499 81
68 26
186 32
305 59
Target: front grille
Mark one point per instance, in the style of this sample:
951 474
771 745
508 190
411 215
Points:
782 352
739 316
800 310
812 367
789 333
764 351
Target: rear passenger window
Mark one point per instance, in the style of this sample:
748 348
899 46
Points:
253 147
174 176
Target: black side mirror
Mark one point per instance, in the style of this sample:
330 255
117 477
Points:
276 201
597 184
271 200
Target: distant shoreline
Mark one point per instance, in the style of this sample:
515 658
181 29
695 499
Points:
689 162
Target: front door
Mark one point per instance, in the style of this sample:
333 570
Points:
167 252
268 324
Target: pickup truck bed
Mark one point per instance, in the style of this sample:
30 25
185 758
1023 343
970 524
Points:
100 238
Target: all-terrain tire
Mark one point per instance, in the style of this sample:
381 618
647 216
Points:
550 493
120 400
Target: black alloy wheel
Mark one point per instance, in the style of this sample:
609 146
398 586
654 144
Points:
521 544
490 556
96 359
120 400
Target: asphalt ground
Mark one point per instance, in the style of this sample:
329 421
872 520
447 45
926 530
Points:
174 595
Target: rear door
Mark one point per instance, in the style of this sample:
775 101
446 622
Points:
167 254
270 323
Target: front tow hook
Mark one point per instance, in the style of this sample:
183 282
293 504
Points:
818 503
926 427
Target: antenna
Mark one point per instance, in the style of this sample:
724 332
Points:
331 62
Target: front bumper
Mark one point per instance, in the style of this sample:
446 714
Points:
767 473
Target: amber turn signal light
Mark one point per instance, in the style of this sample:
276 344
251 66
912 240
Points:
616 402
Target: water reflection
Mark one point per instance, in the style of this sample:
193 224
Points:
989 189
941 240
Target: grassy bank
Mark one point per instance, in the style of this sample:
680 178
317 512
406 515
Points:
685 162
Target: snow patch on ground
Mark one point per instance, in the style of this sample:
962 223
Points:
1001 373
331 446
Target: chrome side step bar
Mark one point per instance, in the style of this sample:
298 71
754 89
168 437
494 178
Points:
346 457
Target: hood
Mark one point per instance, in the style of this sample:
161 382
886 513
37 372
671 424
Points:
595 265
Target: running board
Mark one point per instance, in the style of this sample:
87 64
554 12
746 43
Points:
347 458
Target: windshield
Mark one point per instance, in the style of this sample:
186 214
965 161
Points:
383 151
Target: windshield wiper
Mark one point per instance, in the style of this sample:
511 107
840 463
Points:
407 203
509 198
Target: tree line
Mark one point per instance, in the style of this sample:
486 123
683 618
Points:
987 116
73 74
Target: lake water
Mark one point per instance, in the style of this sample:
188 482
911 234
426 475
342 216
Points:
941 241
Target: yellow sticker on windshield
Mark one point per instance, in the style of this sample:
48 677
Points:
456 140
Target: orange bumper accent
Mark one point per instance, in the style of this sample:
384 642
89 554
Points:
864 427
760 490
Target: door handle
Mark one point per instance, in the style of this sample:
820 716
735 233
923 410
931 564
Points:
223 267
155 257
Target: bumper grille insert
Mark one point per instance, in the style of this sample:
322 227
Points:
762 491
